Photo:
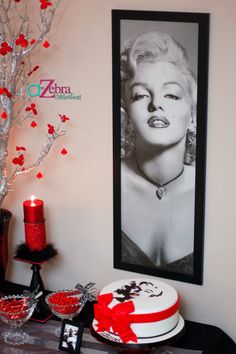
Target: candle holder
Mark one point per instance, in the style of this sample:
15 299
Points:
35 251
35 235
37 258
34 221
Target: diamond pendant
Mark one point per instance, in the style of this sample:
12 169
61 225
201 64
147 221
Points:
160 192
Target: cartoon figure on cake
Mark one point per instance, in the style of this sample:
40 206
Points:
132 290
158 141
147 291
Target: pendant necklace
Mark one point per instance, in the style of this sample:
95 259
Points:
161 190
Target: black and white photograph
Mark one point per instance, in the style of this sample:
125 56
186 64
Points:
160 69
71 336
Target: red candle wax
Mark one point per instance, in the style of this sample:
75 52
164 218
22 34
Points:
35 232
33 211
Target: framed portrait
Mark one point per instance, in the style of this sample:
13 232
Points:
71 336
160 83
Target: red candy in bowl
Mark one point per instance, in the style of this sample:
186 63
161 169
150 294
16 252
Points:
14 311
65 303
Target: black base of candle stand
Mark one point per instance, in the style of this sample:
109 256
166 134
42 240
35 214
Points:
42 312
36 281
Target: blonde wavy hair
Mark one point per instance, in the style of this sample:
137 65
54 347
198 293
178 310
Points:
152 47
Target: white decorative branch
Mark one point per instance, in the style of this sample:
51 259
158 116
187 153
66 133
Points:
15 65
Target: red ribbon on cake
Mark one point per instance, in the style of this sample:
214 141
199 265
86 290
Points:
117 317
120 317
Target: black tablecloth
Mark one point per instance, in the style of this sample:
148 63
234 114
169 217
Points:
209 339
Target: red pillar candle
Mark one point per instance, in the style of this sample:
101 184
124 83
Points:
35 232
33 211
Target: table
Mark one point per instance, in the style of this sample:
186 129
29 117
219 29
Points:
43 340
198 338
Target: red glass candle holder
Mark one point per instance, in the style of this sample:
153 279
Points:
35 235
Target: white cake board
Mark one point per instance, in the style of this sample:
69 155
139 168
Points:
158 339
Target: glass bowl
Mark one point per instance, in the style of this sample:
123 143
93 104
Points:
65 304
14 311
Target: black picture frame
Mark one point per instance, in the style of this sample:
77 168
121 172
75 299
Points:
71 336
128 22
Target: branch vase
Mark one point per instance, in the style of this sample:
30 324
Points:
5 218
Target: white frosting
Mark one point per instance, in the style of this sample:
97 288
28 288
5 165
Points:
148 296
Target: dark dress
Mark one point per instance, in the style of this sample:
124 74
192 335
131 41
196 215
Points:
132 254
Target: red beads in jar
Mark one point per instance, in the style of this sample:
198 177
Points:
14 309
64 302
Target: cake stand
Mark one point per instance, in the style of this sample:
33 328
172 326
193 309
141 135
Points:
166 339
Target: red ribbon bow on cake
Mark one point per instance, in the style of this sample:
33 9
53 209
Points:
116 318
119 317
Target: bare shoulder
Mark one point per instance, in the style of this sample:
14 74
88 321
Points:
128 167
128 173
189 177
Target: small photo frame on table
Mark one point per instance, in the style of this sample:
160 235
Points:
71 336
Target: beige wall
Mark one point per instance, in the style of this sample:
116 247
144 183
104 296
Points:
77 189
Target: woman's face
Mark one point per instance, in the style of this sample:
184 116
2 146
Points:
159 103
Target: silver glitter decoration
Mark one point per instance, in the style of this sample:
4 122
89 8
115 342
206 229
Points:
88 291
15 66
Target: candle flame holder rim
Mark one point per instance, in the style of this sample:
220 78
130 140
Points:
34 223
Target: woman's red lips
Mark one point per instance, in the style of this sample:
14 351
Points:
158 122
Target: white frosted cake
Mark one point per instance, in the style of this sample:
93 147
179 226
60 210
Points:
137 310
